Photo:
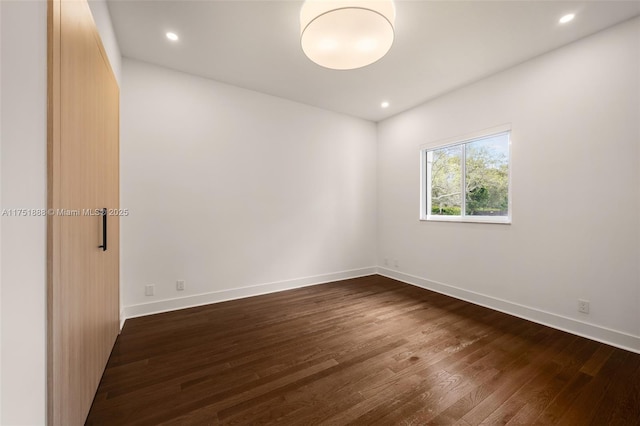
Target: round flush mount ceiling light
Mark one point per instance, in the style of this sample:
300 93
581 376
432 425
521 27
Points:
346 34
172 36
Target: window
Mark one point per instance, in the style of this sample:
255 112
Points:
468 180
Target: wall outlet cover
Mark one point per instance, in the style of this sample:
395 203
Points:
583 306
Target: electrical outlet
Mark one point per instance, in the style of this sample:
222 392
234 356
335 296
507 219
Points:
149 290
386 262
583 306
180 285
396 263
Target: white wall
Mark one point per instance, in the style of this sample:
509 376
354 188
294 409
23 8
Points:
23 66
229 188
0 220
102 18
575 176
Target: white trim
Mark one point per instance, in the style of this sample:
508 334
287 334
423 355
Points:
239 293
123 318
457 140
425 181
496 220
595 332
463 181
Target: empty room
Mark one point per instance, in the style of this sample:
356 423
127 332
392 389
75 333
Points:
389 212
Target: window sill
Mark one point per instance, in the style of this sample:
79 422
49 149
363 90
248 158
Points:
493 220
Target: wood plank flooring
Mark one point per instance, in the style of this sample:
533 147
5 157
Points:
364 351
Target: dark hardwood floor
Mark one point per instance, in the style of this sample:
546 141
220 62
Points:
364 351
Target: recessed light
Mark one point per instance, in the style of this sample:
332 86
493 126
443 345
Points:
385 104
567 18
172 36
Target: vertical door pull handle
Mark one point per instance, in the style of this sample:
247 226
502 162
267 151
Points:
104 230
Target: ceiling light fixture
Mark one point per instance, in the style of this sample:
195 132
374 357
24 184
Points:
172 36
385 104
346 34
567 18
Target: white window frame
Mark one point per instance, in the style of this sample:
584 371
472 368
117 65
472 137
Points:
425 178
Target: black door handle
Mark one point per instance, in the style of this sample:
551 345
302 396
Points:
104 230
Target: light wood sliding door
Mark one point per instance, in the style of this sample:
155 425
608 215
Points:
83 278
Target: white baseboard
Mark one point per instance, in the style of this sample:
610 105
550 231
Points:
239 293
591 331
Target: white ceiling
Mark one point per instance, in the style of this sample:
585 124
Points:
439 46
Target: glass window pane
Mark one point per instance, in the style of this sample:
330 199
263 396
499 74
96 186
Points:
446 181
487 176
